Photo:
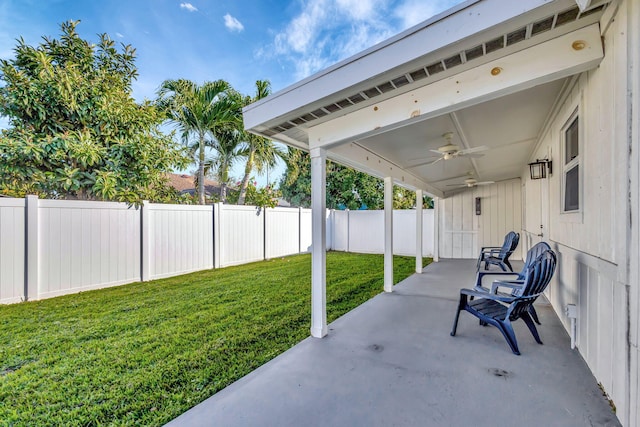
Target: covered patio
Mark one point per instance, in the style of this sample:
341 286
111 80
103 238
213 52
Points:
459 107
391 361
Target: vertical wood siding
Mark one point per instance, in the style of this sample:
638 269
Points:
592 243
12 250
463 233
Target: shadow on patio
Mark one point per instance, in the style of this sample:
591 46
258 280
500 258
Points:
391 361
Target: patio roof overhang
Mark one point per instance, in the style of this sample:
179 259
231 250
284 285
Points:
489 71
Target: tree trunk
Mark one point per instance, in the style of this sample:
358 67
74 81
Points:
245 180
223 192
201 198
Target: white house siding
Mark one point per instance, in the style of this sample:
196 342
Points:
12 250
86 245
180 239
592 244
463 233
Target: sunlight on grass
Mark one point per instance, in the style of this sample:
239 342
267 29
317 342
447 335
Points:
144 353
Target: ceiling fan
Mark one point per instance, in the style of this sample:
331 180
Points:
471 182
450 151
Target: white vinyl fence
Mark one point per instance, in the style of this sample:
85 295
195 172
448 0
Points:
57 247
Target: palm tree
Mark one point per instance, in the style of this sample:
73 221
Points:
260 152
199 111
226 145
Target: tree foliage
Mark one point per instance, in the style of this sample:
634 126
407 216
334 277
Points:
346 187
207 116
260 152
75 130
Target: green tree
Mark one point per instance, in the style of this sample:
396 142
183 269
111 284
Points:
346 187
199 112
226 145
266 197
75 130
260 152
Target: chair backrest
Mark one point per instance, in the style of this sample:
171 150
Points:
510 244
536 278
532 254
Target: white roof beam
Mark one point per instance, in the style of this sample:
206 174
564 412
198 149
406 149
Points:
561 57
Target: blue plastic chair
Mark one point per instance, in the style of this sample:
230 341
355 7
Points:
516 283
499 255
500 311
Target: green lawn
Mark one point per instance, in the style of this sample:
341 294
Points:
144 353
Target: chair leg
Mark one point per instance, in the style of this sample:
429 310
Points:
534 314
461 305
506 261
531 326
510 336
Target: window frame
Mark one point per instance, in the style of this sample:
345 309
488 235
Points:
566 167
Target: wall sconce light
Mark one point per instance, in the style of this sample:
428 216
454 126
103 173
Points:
538 169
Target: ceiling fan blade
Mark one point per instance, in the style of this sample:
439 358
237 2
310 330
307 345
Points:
456 185
485 183
473 149
423 161
436 151
436 161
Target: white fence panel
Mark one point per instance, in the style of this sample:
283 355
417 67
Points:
366 232
242 234
282 232
180 239
305 230
12 250
87 245
340 220
404 232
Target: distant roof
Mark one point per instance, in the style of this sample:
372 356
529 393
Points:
185 184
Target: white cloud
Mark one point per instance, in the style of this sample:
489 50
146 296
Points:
327 31
120 35
189 7
232 23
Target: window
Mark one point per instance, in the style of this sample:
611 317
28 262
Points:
571 166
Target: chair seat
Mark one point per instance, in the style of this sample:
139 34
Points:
489 308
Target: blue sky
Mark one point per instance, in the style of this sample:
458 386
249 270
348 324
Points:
240 41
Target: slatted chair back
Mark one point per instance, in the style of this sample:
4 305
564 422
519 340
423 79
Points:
532 254
510 244
536 278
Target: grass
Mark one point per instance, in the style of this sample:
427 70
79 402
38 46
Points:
144 353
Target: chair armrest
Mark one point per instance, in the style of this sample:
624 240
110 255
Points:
513 284
480 275
481 294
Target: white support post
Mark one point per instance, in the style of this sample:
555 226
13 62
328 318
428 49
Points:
32 282
145 235
319 243
217 220
418 231
299 230
436 229
388 234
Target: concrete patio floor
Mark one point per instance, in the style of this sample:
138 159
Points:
392 362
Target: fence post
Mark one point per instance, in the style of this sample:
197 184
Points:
217 220
145 236
348 229
32 259
264 232
299 230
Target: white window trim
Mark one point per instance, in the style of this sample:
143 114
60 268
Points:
573 215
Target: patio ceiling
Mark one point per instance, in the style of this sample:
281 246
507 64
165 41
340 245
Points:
488 71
